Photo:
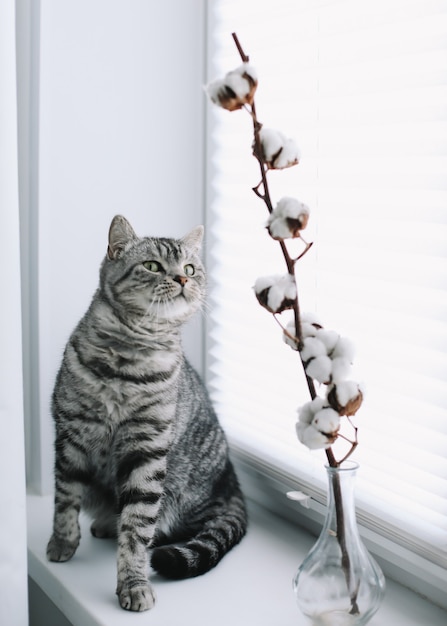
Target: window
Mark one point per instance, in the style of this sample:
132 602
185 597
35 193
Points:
362 86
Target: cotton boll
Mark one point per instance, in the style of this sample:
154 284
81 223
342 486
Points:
312 348
279 229
320 369
308 330
241 81
291 207
344 348
312 417
287 157
236 89
327 421
328 337
282 294
279 152
288 218
238 84
310 317
249 73
346 397
311 437
347 391
341 368
310 324
272 142
264 282
213 88
276 293
306 413
223 95
297 224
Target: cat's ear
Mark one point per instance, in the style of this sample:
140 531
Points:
193 240
121 234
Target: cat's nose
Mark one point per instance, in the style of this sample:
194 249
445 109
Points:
182 280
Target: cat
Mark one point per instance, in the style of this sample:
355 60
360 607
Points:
138 444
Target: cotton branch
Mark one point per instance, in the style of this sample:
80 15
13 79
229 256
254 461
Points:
265 196
262 191
324 355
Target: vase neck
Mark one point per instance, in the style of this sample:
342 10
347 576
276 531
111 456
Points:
341 501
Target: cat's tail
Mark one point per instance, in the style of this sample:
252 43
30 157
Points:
198 555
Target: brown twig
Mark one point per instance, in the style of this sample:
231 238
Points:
305 251
244 57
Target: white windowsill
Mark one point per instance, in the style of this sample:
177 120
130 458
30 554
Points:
252 585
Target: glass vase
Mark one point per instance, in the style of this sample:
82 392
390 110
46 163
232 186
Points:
339 583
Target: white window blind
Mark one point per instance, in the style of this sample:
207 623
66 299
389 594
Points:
362 87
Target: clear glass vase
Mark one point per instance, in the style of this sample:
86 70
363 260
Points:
339 583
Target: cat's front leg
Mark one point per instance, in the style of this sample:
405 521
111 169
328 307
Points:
71 476
141 471
66 531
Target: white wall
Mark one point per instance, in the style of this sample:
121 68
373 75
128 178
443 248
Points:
120 130
13 584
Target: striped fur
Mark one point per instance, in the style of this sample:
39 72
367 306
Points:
138 444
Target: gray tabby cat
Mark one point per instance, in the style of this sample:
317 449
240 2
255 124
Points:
138 444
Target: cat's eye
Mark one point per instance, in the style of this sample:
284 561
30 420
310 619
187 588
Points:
189 270
152 266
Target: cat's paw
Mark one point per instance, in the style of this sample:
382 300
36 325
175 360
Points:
60 550
136 598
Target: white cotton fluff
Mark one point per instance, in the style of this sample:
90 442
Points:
289 155
341 368
327 421
237 81
290 207
248 69
311 437
217 89
328 337
272 142
279 151
310 317
308 330
213 88
280 288
287 209
320 369
344 348
346 391
312 348
313 416
278 228
306 412
309 322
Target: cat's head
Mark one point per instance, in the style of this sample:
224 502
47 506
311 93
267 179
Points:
160 279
